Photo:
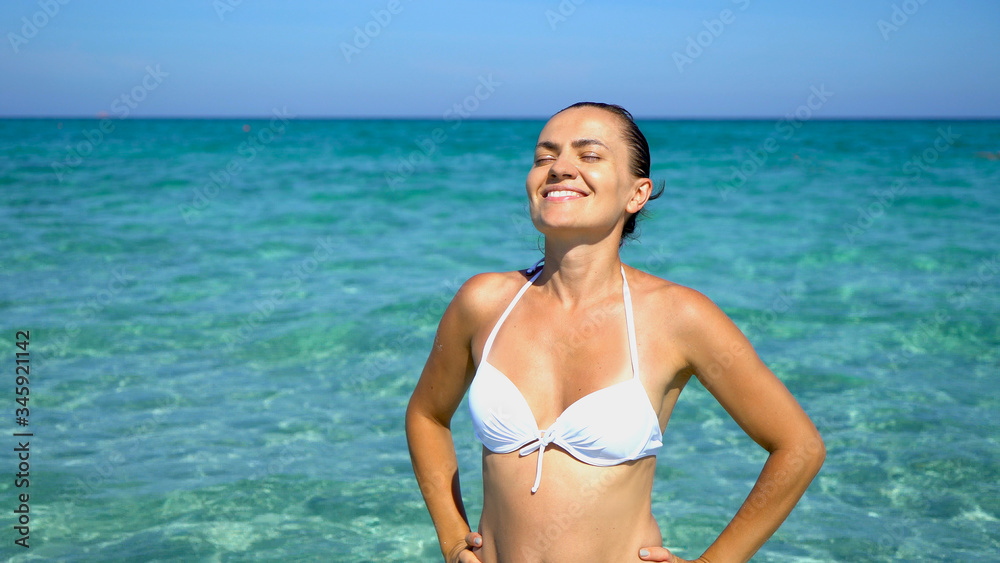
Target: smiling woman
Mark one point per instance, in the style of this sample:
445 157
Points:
637 156
579 361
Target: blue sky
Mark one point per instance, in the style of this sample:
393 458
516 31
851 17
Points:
686 59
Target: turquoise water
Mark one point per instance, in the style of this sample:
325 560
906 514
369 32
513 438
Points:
221 359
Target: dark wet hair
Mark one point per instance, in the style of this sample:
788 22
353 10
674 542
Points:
640 162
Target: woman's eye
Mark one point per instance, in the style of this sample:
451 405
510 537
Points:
542 159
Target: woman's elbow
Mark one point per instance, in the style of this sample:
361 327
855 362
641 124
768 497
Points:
815 451
806 452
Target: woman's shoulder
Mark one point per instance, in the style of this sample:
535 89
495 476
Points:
667 298
482 294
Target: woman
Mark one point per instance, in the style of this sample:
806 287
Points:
579 362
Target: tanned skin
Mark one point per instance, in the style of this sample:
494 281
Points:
567 338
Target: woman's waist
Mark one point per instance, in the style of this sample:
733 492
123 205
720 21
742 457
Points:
593 508
570 534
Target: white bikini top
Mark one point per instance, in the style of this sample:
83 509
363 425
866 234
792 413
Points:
607 427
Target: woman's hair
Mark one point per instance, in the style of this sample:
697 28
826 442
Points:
639 149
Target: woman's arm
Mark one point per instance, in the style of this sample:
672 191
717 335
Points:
726 364
442 385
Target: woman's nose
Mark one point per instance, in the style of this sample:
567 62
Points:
562 167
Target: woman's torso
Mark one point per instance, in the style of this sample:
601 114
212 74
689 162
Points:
587 513
554 357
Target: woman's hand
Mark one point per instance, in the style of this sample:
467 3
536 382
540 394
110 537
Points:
473 541
662 554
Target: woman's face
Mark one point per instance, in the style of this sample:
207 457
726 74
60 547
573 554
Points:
580 184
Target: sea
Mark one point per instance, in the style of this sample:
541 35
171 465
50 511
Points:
221 323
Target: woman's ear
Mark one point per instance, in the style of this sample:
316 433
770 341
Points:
643 188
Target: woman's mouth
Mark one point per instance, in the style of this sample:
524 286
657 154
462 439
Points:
562 195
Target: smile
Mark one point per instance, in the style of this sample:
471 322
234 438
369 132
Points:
562 193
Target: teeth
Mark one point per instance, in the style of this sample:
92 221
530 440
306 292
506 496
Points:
563 193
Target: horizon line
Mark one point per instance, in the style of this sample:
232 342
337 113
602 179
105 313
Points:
490 118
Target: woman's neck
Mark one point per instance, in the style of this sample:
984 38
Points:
579 274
